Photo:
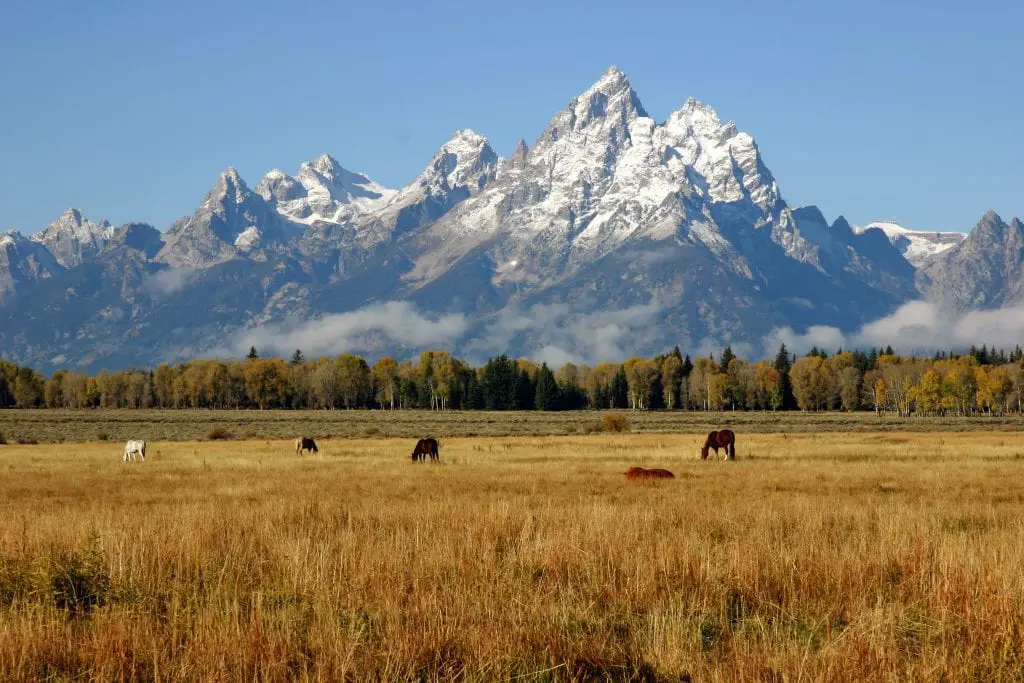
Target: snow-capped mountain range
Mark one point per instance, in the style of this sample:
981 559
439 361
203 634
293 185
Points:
612 234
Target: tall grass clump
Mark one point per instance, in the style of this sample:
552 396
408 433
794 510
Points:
615 423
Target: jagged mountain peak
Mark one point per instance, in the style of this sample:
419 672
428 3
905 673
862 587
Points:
277 186
325 176
610 97
984 270
72 237
459 169
612 80
326 165
456 162
229 187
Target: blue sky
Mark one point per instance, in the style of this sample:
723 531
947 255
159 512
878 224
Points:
874 110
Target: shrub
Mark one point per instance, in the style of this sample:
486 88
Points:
3 439
80 581
102 436
371 431
27 441
615 423
219 434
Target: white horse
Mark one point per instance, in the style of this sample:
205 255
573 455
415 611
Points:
133 448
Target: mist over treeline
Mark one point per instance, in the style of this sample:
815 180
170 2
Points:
978 381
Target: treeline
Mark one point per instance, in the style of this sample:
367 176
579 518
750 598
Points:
980 381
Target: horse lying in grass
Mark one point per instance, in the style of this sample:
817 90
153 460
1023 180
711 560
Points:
640 473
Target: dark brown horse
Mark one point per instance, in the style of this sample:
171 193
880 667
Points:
425 447
721 439
304 443
641 473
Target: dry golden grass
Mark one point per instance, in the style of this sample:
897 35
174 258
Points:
826 556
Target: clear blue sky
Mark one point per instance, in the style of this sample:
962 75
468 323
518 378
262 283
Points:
876 109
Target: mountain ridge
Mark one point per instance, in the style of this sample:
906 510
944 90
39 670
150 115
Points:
607 210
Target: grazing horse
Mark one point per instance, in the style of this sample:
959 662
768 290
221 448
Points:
721 439
304 443
135 448
425 447
641 473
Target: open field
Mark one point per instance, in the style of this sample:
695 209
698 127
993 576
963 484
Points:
829 556
48 426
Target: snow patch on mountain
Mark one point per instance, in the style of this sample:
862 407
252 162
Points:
248 239
324 191
919 247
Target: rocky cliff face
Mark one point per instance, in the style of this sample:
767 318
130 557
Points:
982 271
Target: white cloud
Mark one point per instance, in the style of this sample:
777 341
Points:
915 327
553 334
360 330
167 282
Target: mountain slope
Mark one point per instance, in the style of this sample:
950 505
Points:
984 271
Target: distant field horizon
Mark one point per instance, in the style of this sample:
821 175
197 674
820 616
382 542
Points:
86 425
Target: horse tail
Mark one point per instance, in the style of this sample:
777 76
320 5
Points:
732 449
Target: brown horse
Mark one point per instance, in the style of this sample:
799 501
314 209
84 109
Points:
305 443
425 447
721 439
641 473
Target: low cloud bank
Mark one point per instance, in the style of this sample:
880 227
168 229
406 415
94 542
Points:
555 335
916 327
366 329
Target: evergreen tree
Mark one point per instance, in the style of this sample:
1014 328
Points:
298 358
677 353
474 393
252 354
499 383
889 351
782 366
619 390
525 391
727 356
873 358
546 396
687 366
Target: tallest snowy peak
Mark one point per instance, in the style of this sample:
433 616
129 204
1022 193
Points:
611 80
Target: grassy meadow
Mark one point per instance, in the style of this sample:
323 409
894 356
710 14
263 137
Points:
57 425
820 555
